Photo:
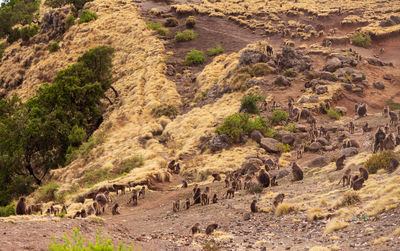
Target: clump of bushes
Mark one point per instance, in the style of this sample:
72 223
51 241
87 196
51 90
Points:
171 22
195 57
165 110
70 21
333 114
290 73
48 192
185 35
285 208
380 161
362 40
7 210
128 164
278 116
54 47
249 103
291 127
29 31
87 16
190 22
77 243
240 124
283 148
157 26
2 48
239 80
349 198
215 51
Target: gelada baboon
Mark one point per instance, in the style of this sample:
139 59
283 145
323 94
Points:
361 109
90 209
270 51
35 209
216 176
386 110
184 184
253 206
176 206
297 172
278 199
101 200
83 213
119 187
142 192
351 127
77 214
215 198
230 193
357 185
363 173
64 210
205 200
264 178
273 181
115 209
394 118
134 198
197 196
195 229
227 184
379 138
340 162
210 228
346 177
393 164
187 203
21 206
366 128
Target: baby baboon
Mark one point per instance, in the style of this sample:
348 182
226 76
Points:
351 127
389 143
297 172
366 127
196 228
20 209
270 51
134 198
357 185
187 203
394 118
142 192
361 109
184 184
90 209
273 181
278 199
197 196
216 176
381 50
300 152
379 138
101 200
195 188
210 228
177 168
238 184
253 206
83 213
322 131
37 208
176 206
264 178
385 112
353 179
230 193
77 214
115 209
340 162
215 198
363 173
346 177
171 165
29 210
119 187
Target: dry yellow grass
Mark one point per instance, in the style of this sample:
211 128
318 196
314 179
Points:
335 225
381 240
285 208
319 248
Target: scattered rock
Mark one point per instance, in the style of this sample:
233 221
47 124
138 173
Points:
341 109
246 216
357 76
256 136
323 141
291 59
220 142
269 144
281 81
333 64
252 57
350 151
288 139
301 128
315 147
321 90
379 85
317 162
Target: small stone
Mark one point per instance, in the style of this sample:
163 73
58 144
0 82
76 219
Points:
379 85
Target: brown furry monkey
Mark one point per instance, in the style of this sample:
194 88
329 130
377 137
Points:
253 206
20 209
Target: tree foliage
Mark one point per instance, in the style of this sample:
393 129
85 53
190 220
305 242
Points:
35 135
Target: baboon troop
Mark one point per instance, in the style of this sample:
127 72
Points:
278 199
101 201
253 206
297 172
119 187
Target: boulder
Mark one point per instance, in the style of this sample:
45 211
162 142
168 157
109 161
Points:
291 59
256 136
319 161
321 90
269 144
301 128
357 76
341 109
323 141
220 142
281 81
326 75
350 151
379 85
332 64
252 57
288 139
315 147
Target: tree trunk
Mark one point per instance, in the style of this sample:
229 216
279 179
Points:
30 170
115 91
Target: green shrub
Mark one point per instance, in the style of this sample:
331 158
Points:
195 57
255 70
55 3
75 242
70 21
87 16
48 192
95 176
78 4
13 36
215 51
54 47
291 127
84 149
2 49
380 161
349 198
190 22
393 105
171 22
290 73
362 40
249 103
128 164
239 124
7 210
333 114
165 110
278 116
283 148
28 31
153 26
185 35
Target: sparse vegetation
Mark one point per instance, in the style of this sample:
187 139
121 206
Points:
362 40
285 208
210 246
195 57
379 161
393 105
171 22
255 189
290 73
283 148
78 4
350 198
335 225
128 164
48 192
2 48
75 242
239 124
185 35
190 22
70 21
54 47
278 116
169 111
333 114
7 210
249 103
28 31
290 127
87 16
215 51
